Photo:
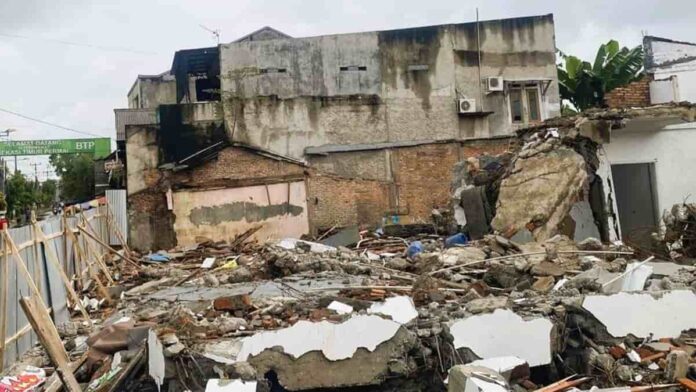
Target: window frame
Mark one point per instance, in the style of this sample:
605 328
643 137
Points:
523 88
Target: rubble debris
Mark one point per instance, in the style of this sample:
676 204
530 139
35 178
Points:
470 378
679 237
498 334
642 314
511 368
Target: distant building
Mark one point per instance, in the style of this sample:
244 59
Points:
303 134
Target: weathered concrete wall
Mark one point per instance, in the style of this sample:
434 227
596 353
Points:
142 155
287 94
221 214
666 58
148 92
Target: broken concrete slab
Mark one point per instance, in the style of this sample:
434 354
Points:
664 268
340 307
313 370
401 309
544 284
546 268
155 358
642 314
335 341
511 368
487 304
633 279
471 378
291 243
344 237
461 255
504 333
217 385
540 192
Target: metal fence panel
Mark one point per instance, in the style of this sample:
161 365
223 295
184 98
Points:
44 275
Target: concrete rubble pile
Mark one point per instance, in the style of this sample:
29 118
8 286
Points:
679 237
490 314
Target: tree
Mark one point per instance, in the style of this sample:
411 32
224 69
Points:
76 172
47 192
20 194
584 84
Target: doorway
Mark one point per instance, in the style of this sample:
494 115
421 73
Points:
636 200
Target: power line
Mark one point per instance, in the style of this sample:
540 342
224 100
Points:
62 42
49 123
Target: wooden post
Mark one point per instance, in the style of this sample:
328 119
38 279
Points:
53 259
4 271
95 277
119 234
41 323
94 255
90 248
37 264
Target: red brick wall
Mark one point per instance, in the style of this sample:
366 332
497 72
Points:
422 180
345 202
236 163
423 177
635 94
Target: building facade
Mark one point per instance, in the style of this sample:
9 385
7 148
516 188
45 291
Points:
367 126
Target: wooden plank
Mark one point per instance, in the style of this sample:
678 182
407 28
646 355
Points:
41 323
78 249
53 259
53 383
4 270
94 255
688 384
110 249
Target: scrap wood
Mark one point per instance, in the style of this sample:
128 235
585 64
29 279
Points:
107 247
563 384
42 324
654 357
53 384
241 238
688 384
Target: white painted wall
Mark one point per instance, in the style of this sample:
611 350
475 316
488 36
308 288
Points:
678 59
672 151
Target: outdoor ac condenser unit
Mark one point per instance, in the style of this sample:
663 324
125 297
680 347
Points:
494 83
467 105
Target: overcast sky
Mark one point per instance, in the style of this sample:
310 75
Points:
71 62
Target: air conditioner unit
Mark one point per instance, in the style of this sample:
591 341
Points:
467 105
494 83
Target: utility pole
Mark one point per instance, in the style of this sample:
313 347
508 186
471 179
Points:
36 174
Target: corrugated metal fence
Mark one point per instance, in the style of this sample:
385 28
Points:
19 336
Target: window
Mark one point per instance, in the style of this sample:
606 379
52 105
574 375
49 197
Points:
525 102
516 105
353 68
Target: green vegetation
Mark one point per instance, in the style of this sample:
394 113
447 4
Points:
76 172
584 84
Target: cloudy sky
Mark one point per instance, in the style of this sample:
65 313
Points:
71 62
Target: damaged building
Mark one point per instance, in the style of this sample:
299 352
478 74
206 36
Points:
358 129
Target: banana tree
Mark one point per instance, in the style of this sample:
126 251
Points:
584 84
